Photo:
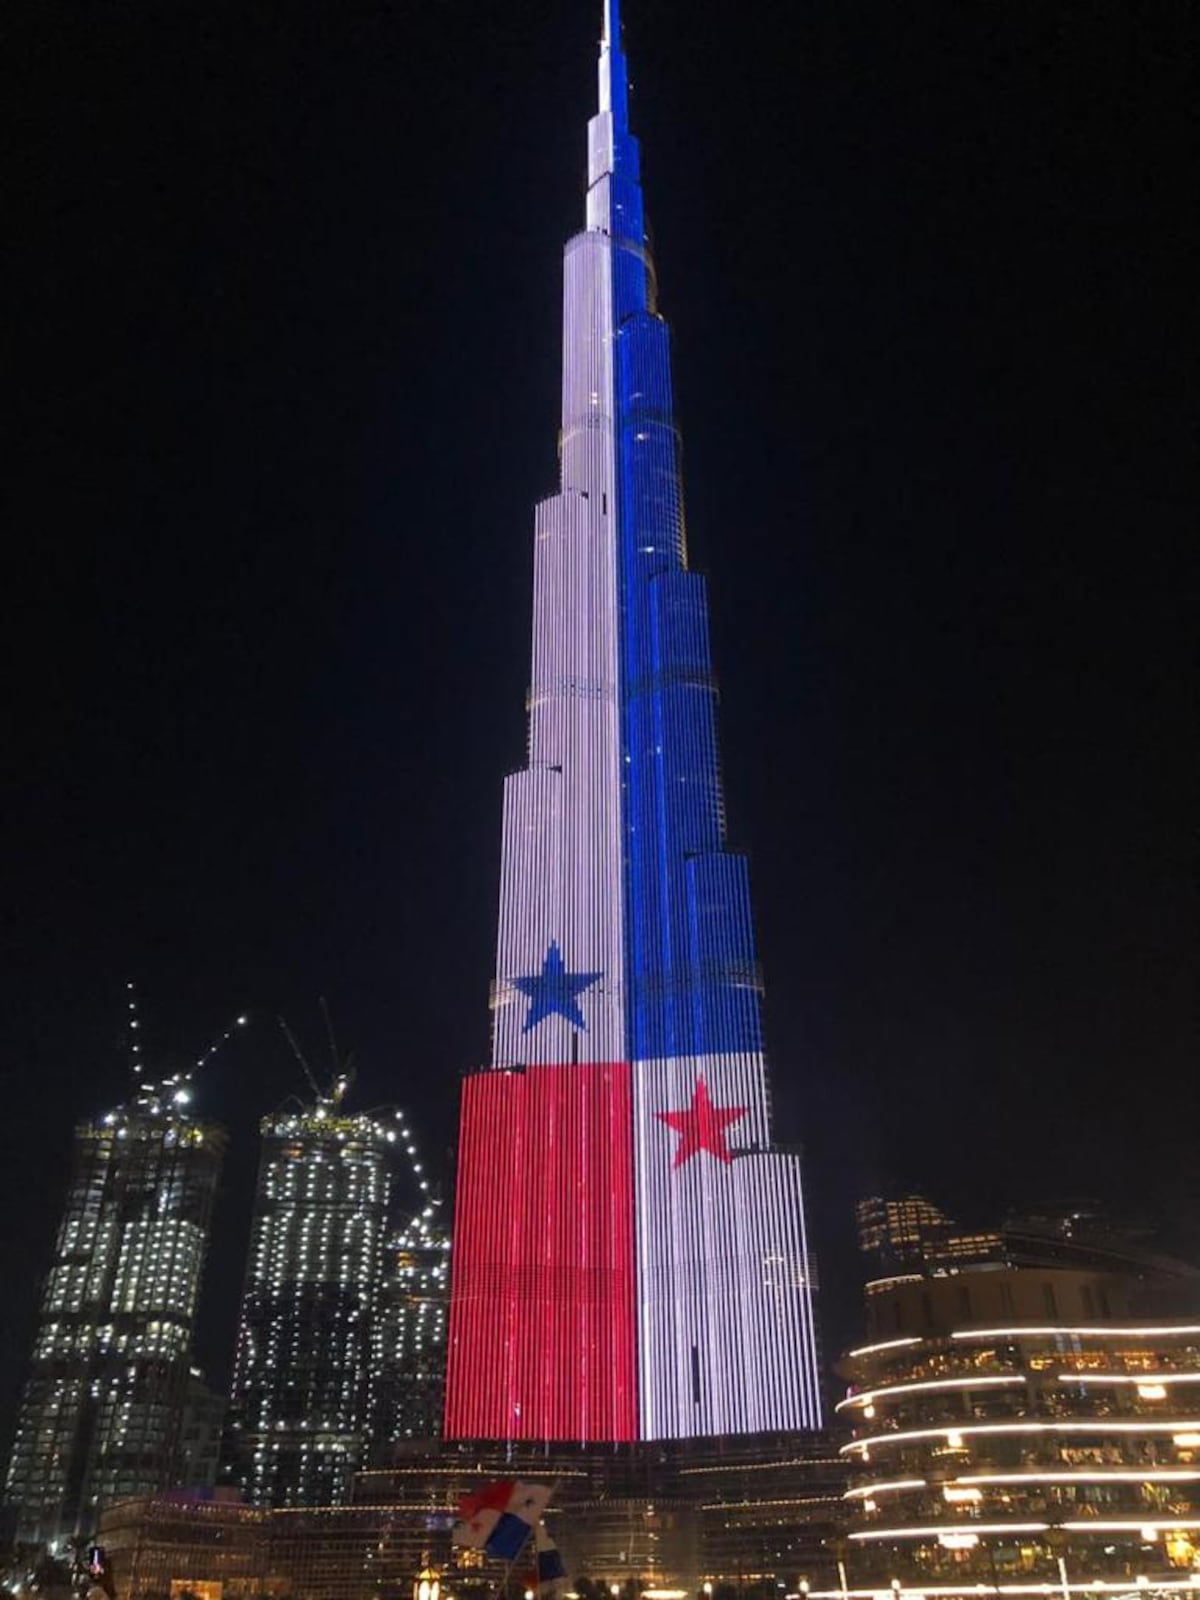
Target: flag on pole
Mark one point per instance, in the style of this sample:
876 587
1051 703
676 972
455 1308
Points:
551 1576
499 1518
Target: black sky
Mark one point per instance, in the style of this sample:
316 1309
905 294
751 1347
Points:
285 342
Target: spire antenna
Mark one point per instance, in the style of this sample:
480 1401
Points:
613 89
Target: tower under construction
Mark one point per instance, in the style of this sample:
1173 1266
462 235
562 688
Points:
101 1413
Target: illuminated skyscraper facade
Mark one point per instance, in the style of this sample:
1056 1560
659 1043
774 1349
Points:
630 1259
411 1363
303 1387
101 1413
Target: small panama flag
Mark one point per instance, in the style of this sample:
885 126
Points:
499 1518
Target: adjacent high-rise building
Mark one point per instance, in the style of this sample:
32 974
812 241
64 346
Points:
304 1382
897 1231
630 1258
410 1364
908 1233
1023 1418
103 1408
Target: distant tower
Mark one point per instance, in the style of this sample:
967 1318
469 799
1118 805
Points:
303 1384
101 1414
411 1359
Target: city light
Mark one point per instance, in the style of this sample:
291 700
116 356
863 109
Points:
972 1591
870 1396
1097 1474
888 1344
894 1487
871 1535
955 1436
1146 1331
1141 1380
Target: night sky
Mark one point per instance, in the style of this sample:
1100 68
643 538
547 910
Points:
285 342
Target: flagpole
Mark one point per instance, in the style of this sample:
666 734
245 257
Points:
503 1591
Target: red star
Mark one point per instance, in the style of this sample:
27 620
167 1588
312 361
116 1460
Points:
702 1126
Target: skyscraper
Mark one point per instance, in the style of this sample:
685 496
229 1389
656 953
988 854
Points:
101 1413
630 1259
410 1329
303 1387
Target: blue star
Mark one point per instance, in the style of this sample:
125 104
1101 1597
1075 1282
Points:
554 991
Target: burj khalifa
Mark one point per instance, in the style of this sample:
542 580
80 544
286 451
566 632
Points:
630 1260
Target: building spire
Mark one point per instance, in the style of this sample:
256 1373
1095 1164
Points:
612 67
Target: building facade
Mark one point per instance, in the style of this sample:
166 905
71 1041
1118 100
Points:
304 1383
200 1433
895 1232
750 1522
411 1361
102 1411
1022 1428
646 1274
209 1546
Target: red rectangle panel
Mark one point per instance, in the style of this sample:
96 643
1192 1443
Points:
542 1338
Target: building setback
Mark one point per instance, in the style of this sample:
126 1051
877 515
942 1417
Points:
102 1410
647 1275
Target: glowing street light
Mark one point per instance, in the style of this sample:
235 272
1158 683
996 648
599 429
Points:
427 1585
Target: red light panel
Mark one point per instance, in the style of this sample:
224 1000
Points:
542 1337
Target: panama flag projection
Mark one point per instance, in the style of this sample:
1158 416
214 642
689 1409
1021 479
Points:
629 1257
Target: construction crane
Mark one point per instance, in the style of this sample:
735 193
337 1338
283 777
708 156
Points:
343 1071
327 1101
175 1088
